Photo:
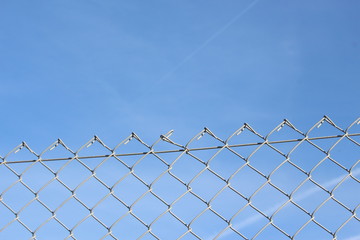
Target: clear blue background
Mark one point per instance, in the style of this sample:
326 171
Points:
72 69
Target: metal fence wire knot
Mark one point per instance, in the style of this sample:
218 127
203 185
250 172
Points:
288 184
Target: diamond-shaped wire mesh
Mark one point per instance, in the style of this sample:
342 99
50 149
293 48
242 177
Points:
288 184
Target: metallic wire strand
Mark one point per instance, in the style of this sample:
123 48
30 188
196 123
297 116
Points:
21 180
182 150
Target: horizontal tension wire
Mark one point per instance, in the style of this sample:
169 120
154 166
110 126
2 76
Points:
182 150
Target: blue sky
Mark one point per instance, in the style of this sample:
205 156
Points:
72 69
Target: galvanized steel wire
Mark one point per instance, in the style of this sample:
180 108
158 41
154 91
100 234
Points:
168 215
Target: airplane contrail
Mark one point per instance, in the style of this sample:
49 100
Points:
199 48
210 39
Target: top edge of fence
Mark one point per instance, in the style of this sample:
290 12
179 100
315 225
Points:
223 143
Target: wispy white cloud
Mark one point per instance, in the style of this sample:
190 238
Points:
255 218
355 237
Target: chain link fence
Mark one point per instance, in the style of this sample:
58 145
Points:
288 184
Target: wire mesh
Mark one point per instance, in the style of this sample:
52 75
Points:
288 184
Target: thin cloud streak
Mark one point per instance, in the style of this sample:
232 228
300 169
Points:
355 237
210 39
310 192
201 47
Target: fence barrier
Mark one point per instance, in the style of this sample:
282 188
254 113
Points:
288 184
